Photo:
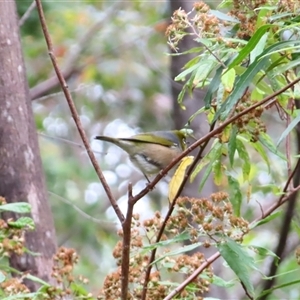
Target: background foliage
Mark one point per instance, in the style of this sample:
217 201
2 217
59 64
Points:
118 75
120 83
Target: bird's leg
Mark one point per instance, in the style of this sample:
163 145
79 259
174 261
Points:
146 177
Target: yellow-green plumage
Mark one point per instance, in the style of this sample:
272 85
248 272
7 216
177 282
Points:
151 151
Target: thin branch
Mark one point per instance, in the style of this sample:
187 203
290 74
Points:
66 141
206 47
27 13
106 224
288 142
169 213
58 94
216 255
71 65
126 225
75 114
205 139
192 277
208 136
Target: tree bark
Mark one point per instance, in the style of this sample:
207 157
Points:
21 175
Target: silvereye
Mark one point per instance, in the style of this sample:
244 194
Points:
151 151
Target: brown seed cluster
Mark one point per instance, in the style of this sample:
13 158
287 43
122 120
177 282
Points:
204 24
14 286
206 220
64 262
250 122
12 241
211 218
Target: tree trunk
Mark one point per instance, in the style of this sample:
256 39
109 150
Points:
21 175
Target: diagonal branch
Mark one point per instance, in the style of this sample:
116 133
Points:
271 99
126 225
204 140
27 13
75 114
283 198
71 65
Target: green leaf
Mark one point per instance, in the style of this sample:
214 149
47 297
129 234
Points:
276 287
213 86
232 144
250 45
286 67
18 207
261 151
223 16
36 279
204 161
291 126
228 78
268 143
259 48
183 74
235 195
181 94
216 280
214 155
181 250
245 79
204 68
296 227
201 110
23 296
79 290
239 261
177 239
265 220
2 277
22 222
241 84
264 252
243 154
217 170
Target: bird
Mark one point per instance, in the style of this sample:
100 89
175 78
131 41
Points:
151 152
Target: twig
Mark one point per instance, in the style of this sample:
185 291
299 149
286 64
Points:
208 136
71 65
126 225
53 95
204 139
195 274
207 48
216 255
27 13
106 224
75 114
60 139
169 213
288 142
